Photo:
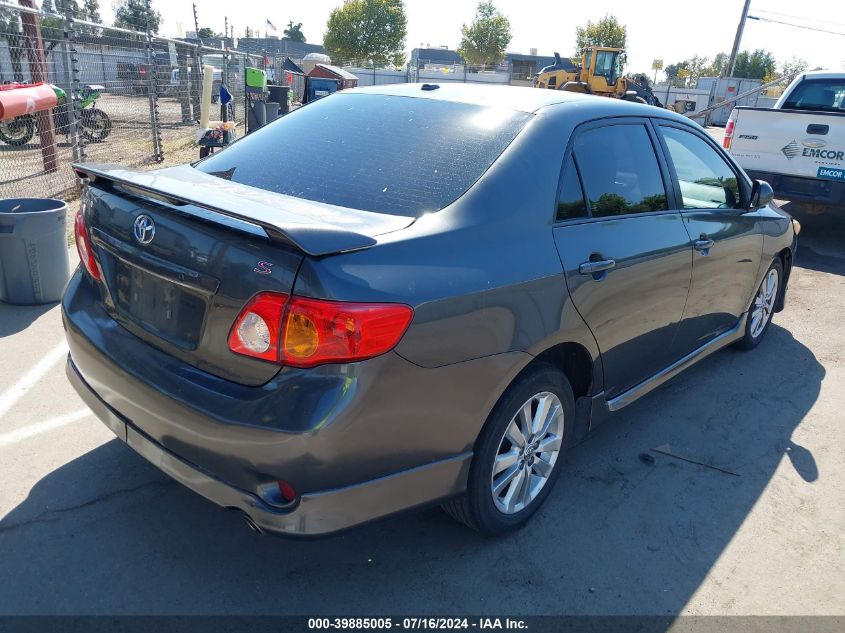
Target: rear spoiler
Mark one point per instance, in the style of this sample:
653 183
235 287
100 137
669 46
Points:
312 227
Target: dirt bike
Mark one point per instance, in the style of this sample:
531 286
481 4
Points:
94 124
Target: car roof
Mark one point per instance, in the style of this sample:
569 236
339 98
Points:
512 97
822 74
522 99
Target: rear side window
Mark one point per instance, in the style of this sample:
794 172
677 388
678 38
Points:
570 203
824 95
705 179
395 155
620 170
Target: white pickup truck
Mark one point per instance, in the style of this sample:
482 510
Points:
798 146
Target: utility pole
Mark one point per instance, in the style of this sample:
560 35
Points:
225 29
739 29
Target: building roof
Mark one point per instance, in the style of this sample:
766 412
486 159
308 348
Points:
540 60
436 56
342 74
289 66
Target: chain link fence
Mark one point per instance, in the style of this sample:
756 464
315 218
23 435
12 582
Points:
132 97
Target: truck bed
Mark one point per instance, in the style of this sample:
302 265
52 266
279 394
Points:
800 153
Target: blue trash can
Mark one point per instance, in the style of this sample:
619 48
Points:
34 263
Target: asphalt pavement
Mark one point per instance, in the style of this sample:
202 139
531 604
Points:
88 527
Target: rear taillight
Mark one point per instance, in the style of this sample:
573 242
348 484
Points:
729 133
83 247
256 330
303 332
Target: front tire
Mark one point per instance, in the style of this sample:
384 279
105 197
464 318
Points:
96 125
762 307
518 454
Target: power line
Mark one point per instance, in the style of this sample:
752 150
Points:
797 26
799 17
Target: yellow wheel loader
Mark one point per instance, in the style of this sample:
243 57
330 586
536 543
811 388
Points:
600 73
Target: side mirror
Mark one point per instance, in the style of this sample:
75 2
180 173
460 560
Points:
761 194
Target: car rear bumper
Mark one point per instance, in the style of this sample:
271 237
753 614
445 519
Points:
798 188
356 441
311 514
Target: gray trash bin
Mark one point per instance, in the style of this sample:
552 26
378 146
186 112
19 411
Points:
34 264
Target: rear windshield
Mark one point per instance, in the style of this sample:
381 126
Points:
823 95
396 155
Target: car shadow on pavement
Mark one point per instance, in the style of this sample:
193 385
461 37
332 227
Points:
821 243
15 318
620 534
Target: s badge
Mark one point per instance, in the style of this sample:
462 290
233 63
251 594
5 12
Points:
263 268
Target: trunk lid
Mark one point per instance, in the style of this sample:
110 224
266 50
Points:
210 249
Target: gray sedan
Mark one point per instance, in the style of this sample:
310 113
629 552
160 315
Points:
410 294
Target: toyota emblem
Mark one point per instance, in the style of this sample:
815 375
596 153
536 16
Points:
145 229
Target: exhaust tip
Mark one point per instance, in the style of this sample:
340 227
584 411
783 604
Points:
253 525
248 519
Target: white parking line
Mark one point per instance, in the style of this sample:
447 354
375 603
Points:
26 432
14 393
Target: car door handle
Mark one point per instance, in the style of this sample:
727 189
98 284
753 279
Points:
703 244
589 268
818 128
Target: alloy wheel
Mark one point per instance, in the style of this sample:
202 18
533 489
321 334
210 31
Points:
527 453
764 303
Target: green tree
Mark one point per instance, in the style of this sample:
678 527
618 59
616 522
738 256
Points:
132 14
606 32
696 67
92 11
788 71
69 7
12 32
294 32
673 72
719 67
367 30
52 28
486 39
206 33
754 64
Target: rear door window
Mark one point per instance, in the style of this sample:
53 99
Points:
396 155
619 170
822 95
705 179
570 202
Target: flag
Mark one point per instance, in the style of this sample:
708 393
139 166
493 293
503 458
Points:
270 25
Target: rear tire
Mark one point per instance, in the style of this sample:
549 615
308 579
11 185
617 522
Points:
762 307
536 412
18 131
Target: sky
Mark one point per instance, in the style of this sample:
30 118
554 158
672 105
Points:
656 30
